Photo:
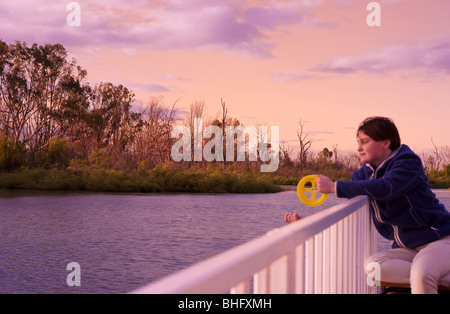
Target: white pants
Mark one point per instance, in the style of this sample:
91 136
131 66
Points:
424 268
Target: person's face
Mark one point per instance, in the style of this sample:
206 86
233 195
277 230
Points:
372 152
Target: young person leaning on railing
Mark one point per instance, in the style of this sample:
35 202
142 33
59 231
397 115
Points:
403 207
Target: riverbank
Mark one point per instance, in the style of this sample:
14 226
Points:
162 179
159 180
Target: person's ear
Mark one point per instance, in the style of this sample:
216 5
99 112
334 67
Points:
387 144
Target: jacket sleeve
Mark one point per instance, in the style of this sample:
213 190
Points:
402 176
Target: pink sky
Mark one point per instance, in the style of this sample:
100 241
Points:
273 62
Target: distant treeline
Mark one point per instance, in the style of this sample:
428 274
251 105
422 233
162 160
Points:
53 121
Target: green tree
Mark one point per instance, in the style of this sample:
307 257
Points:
41 94
111 119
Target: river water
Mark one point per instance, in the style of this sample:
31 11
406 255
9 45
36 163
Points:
124 241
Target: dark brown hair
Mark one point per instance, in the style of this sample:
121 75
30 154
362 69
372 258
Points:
381 129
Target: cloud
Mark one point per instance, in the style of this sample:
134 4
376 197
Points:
170 77
321 132
277 14
146 87
138 86
250 117
412 57
157 24
291 77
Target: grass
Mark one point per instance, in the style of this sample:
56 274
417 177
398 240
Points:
161 179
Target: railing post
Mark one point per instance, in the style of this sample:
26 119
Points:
242 288
334 270
300 278
278 276
326 261
318 263
261 281
309 266
340 257
291 271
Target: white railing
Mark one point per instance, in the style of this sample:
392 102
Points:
442 194
323 253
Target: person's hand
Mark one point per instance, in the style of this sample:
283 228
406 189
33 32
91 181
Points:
292 217
325 185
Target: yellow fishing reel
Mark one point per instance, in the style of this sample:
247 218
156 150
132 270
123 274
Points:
301 189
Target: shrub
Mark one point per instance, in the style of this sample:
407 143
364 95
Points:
99 159
439 179
11 154
59 153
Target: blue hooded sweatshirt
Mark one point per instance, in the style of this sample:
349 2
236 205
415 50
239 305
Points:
402 205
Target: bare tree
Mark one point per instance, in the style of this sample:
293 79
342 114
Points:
438 159
335 153
224 122
305 143
446 155
285 154
195 112
154 142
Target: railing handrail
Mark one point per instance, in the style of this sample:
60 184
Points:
442 194
224 271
